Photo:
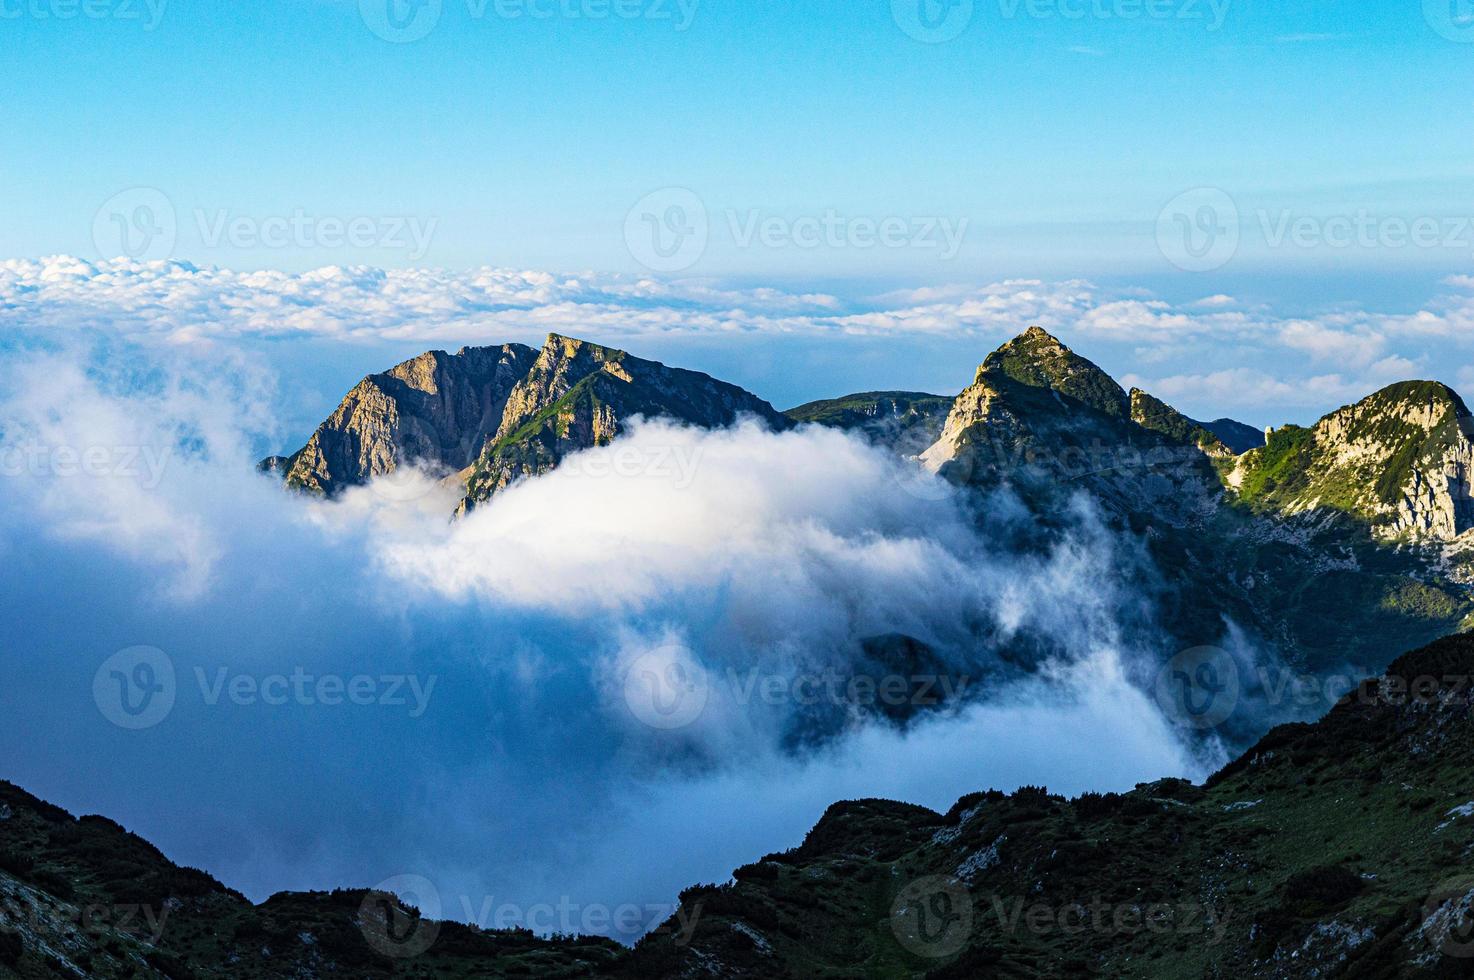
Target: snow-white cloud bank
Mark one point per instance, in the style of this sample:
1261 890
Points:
1258 357
561 699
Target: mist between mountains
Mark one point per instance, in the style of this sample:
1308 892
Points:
668 689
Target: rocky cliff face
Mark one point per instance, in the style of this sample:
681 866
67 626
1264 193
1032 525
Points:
579 395
436 410
1302 570
1048 422
1031 384
494 415
1401 460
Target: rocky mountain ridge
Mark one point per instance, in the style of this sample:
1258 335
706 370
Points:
490 416
1252 549
436 410
578 395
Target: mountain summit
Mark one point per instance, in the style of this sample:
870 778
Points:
435 410
490 416
578 395
1038 359
1030 384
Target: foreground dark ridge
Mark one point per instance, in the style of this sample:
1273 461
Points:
1335 849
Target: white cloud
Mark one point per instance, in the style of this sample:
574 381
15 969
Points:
182 301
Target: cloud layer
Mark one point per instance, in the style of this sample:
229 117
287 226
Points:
1217 352
362 690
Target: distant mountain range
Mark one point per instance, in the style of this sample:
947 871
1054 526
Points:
1337 850
1400 460
1322 547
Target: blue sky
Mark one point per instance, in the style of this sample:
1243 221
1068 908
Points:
1109 140
527 140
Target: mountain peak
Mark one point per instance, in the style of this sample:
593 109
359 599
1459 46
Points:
1402 458
1040 360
